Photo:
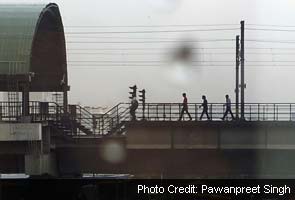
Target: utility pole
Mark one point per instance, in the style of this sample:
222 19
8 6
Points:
242 71
237 74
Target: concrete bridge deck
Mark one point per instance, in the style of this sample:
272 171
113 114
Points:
159 149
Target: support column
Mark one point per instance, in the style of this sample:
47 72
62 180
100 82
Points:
38 164
65 99
242 71
237 74
25 100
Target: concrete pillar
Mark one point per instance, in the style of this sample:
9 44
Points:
25 100
38 164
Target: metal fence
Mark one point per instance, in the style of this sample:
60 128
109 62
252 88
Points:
115 118
171 112
253 111
38 111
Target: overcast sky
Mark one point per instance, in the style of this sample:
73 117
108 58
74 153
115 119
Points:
97 83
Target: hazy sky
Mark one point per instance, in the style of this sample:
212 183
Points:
108 85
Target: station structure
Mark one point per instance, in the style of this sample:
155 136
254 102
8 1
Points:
61 140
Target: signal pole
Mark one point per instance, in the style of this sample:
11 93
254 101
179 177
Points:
237 74
242 71
142 99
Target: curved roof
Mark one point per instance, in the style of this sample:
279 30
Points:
32 42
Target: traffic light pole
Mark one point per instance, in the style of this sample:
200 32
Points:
237 74
242 71
142 99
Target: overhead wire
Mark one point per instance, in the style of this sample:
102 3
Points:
213 63
153 31
270 29
147 26
270 25
146 42
271 41
149 48
161 65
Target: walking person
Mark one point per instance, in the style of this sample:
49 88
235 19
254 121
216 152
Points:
205 107
184 107
228 108
133 107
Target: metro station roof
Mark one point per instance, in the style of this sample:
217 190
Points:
32 44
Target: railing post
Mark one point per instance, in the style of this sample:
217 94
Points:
94 124
277 112
196 112
164 114
157 111
290 112
263 113
102 126
98 124
211 116
170 112
258 112
250 113
148 113
179 111
274 112
223 111
117 111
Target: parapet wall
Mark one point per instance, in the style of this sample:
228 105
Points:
210 135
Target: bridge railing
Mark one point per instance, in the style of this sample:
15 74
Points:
253 111
85 118
171 112
38 111
270 112
112 119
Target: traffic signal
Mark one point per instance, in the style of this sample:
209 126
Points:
133 92
142 96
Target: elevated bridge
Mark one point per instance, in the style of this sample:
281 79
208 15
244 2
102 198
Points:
157 144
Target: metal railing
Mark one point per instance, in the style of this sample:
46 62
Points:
85 118
253 111
115 118
38 111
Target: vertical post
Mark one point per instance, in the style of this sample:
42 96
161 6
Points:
170 113
237 74
290 112
258 111
117 113
242 71
211 115
164 113
274 112
25 99
196 112
65 98
148 111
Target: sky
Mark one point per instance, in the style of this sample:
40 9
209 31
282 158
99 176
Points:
99 64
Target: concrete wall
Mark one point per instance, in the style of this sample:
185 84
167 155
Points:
187 150
20 132
211 135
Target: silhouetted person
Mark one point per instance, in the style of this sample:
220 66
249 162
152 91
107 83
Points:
133 107
228 108
184 107
205 107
